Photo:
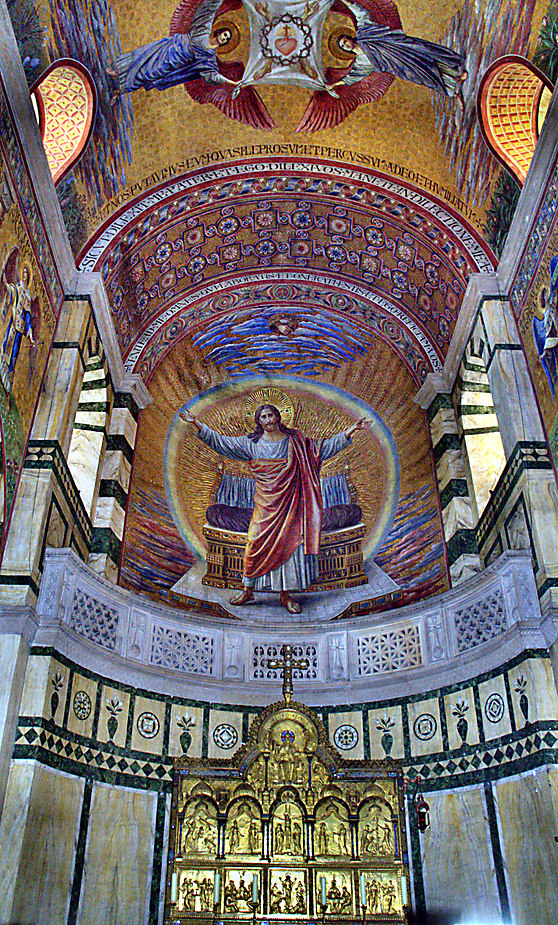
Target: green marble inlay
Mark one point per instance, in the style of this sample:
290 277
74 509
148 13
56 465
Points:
462 541
446 442
497 853
79 862
157 866
442 400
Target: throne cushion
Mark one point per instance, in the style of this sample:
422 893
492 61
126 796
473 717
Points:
237 519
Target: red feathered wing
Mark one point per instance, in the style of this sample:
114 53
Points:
325 111
184 13
247 107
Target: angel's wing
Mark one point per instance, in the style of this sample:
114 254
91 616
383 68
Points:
324 111
247 107
35 310
9 272
383 12
196 17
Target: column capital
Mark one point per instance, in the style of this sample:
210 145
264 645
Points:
435 384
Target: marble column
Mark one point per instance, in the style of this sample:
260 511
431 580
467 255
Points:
457 510
528 479
115 483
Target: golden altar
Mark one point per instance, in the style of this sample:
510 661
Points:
286 831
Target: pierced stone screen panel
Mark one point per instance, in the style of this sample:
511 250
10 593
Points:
181 650
94 620
389 650
480 622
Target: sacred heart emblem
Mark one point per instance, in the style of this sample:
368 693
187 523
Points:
285 44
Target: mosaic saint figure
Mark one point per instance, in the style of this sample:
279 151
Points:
20 310
284 532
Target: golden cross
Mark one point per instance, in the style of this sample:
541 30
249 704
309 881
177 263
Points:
287 664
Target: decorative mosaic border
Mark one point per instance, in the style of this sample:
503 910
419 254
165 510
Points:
529 744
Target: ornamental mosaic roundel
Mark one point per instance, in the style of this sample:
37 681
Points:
424 727
494 708
82 704
345 737
148 725
225 735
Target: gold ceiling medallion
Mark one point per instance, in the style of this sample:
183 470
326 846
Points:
286 830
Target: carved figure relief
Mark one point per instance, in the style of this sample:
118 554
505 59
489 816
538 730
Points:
238 891
287 893
382 894
199 828
339 892
376 829
332 833
195 891
243 830
288 828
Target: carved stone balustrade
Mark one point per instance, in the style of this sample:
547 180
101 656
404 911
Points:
477 626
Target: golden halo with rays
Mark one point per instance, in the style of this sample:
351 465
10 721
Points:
333 43
269 396
234 40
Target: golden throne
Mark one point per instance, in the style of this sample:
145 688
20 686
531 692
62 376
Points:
340 562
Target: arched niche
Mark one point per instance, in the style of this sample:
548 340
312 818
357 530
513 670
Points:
332 834
243 827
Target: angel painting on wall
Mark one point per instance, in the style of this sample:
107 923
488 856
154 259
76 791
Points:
19 311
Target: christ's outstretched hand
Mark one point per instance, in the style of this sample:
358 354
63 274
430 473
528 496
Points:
358 425
190 418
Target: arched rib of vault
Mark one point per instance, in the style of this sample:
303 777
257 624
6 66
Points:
402 243
375 316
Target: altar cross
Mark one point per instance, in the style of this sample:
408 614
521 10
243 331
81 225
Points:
287 664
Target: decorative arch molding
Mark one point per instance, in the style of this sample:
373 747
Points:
377 316
512 102
66 101
402 244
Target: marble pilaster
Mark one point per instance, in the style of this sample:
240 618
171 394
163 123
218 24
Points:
457 512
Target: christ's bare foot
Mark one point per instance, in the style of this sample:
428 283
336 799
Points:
287 601
242 598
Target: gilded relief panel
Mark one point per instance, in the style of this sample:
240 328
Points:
275 830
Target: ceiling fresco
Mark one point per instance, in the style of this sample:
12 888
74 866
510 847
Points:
285 197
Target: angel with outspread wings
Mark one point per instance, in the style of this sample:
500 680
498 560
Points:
189 56
378 52
21 310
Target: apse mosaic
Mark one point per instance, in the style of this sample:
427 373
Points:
316 512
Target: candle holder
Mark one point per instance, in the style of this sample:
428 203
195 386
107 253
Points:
323 907
215 911
363 907
253 903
